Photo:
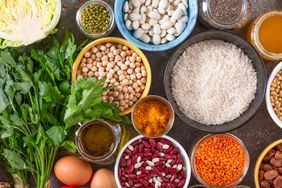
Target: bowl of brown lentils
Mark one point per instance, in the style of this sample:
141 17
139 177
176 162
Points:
274 95
121 64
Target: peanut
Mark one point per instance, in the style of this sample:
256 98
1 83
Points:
270 175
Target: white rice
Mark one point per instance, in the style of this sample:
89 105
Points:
213 82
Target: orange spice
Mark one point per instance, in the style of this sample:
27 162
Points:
220 160
151 117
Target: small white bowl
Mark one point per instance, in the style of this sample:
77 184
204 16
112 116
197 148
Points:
182 151
267 96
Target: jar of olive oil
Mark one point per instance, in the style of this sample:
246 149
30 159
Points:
99 141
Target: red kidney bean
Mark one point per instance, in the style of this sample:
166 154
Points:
144 182
140 148
181 183
168 150
148 154
128 162
152 142
146 150
138 185
134 159
146 144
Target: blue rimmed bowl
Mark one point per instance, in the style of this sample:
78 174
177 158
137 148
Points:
119 16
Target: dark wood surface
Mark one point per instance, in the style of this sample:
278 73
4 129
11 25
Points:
259 132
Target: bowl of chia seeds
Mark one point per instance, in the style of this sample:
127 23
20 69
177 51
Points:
95 19
224 14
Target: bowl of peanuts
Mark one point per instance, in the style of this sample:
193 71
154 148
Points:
273 95
268 168
219 160
121 64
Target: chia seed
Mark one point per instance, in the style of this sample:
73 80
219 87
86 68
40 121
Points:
226 11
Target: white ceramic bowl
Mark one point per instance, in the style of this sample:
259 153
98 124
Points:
182 151
267 96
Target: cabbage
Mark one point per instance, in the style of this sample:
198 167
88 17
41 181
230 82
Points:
23 22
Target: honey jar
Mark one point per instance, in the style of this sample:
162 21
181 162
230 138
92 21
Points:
265 35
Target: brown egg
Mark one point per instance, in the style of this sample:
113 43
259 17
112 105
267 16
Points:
103 178
73 171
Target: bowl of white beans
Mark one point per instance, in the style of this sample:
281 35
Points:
121 64
156 25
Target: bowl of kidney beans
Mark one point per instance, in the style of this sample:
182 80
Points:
153 163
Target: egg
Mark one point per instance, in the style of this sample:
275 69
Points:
103 178
73 171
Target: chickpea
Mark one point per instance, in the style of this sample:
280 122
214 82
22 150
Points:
113 48
130 89
128 52
105 58
99 64
119 72
123 54
132 65
142 87
111 55
130 71
83 60
82 65
87 54
116 68
94 50
124 48
132 59
98 55
139 82
124 67
93 57
119 46
126 95
138 59
125 82
105 84
90 74
121 102
102 74
121 108
137 70
116 76
96 74
109 75
117 58
108 44
119 88
138 95
132 77
139 75
84 69
112 71
137 90
111 98
120 96
103 48
134 99
104 63
113 80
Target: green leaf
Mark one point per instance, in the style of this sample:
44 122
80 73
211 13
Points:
9 132
7 59
23 87
69 146
57 135
15 159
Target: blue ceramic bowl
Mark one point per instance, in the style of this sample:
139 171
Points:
119 16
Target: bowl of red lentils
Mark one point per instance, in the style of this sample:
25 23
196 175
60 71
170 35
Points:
273 95
220 160
121 64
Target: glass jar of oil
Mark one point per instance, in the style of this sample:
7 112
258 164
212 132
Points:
265 35
99 141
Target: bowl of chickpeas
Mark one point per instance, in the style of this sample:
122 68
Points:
273 95
121 64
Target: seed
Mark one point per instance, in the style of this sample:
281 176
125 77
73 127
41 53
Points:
138 159
137 165
138 173
165 146
179 167
167 165
155 160
148 168
130 147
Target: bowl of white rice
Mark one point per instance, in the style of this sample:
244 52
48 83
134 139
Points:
215 81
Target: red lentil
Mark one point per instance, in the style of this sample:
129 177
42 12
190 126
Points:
220 160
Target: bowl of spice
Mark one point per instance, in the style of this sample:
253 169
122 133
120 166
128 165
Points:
215 81
268 169
153 162
121 64
152 116
220 160
273 95
265 35
156 25
95 19
224 14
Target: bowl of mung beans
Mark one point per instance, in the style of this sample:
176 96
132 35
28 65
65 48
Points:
220 160
95 19
121 64
273 95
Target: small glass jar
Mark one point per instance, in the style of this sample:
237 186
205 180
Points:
211 17
108 158
253 36
193 161
104 33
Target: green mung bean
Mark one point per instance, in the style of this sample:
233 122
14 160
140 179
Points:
95 18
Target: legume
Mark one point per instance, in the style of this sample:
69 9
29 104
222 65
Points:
276 94
147 163
95 18
121 67
220 160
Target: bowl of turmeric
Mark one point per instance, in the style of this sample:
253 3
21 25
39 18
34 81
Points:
152 116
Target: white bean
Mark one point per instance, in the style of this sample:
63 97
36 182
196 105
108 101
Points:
145 26
163 41
147 2
126 16
142 19
170 37
126 7
163 4
171 31
161 11
156 41
143 9
136 3
157 29
163 33
154 15
166 25
182 7
128 24
138 33
134 17
179 26
155 3
184 19
177 14
145 38
152 22
135 25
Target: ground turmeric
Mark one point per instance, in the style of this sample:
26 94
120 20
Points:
151 117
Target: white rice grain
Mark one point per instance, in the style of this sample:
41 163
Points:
213 82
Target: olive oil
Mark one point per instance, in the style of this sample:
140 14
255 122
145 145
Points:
97 140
